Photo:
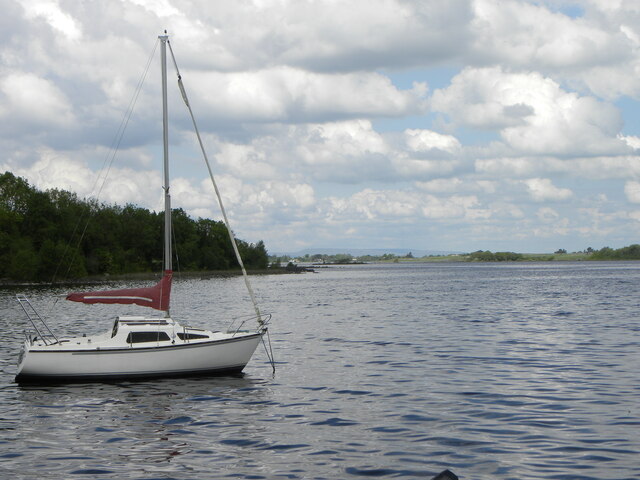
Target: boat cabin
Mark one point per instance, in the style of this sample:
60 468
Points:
136 330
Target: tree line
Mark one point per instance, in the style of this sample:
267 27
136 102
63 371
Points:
487 256
53 235
631 252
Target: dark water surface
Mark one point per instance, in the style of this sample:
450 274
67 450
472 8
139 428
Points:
517 371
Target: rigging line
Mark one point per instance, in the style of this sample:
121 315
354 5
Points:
175 249
115 146
125 120
51 306
117 139
215 187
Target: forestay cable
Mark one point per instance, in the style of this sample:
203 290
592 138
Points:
261 322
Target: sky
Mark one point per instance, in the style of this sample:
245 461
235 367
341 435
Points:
503 125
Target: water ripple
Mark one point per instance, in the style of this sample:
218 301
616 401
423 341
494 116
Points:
392 371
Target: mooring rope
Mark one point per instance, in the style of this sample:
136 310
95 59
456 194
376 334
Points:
269 351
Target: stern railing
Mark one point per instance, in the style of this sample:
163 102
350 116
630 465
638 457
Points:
237 323
44 332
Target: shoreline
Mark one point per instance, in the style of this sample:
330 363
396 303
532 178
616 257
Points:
296 269
144 276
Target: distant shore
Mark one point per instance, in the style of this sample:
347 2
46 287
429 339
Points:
150 276
523 257
631 252
293 268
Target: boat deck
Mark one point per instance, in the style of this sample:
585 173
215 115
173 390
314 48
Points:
136 332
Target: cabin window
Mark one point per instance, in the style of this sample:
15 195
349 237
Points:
141 337
190 336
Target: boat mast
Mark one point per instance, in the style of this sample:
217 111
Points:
165 139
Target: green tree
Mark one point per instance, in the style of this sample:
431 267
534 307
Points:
253 256
482 256
23 260
15 193
54 235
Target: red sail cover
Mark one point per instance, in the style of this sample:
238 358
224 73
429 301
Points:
155 297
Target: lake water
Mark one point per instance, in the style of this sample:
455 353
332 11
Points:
495 371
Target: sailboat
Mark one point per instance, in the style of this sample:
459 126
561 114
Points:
141 346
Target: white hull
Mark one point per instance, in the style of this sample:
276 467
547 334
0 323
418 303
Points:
105 357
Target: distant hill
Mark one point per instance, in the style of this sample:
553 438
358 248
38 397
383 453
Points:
358 252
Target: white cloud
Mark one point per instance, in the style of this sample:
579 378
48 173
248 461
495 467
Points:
591 168
506 210
457 185
161 8
251 207
342 151
542 190
51 12
512 167
29 101
285 94
337 36
427 140
532 113
415 168
426 153
631 140
441 185
245 161
632 191
529 35
547 214
123 185
325 143
396 205
616 74
319 121
595 52
54 171
552 225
